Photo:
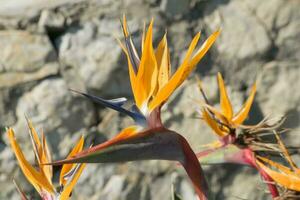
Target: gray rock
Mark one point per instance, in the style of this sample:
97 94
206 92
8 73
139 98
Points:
60 114
242 34
24 52
94 58
174 7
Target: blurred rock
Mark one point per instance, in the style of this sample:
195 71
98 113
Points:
174 7
24 52
94 58
60 114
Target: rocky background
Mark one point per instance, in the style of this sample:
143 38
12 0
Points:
48 47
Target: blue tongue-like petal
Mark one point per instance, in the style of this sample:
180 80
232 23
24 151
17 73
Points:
116 104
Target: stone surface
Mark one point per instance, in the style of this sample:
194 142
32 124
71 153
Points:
24 52
60 114
48 48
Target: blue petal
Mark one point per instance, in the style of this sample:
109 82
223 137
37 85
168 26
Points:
116 104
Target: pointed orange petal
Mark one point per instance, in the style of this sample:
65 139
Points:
41 151
213 124
37 179
179 76
163 62
124 26
240 117
147 73
224 100
67 167
66 193
160 49
217 114
137 90
46 158
37 147
276 165
289 181
204 48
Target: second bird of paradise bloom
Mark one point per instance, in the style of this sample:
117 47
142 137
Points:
152 84
41 176
234 147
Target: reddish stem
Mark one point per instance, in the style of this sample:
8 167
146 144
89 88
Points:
154 119
194 171
250 158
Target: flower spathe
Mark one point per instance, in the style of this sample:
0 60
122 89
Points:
41 176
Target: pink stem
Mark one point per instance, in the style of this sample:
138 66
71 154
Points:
250 158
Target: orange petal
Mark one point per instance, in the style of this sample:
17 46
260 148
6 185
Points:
37 179
217 114
37 147
147 73
179 76
276 165
290 181
204 48
224 100
240 117
124 26
67 167
137 90
41 151
213 124
66 193
46 158
163 61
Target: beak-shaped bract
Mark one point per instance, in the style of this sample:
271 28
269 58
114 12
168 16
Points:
153 144
41 177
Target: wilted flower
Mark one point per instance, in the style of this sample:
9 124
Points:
41 175
152 84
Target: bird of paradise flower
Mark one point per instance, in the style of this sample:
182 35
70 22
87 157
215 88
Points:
234 147
152 84
41 177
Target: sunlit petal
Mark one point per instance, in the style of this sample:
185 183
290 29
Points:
179 76
240 117
65 195
288 180
147 73
67 167
37 179
213 124
224 100
163 61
